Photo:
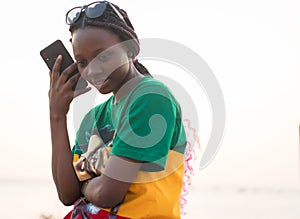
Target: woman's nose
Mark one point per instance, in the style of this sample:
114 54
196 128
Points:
93 68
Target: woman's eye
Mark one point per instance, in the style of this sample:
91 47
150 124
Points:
104 56
81 63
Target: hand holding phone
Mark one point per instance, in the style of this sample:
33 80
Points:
50 54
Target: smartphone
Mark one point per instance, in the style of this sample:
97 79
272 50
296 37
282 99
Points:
51 52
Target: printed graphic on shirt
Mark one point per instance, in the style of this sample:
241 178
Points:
92 162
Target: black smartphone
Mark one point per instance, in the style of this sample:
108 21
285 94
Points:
51 52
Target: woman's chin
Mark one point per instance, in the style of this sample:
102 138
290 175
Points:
104 90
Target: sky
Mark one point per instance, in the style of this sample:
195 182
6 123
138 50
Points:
252 47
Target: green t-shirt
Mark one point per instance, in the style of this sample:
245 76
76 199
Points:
147 124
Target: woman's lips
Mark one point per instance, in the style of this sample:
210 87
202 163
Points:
101 83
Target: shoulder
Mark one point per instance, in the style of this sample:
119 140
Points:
149 82
151 89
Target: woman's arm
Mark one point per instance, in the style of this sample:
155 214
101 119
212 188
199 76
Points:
67 185
60 97
110 188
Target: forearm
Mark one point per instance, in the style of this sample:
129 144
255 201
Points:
64 176
111 187
104 192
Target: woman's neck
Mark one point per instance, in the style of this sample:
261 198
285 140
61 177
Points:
128 83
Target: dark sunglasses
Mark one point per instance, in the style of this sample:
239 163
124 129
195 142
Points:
93 10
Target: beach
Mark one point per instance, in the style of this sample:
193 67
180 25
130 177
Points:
243 203
31 199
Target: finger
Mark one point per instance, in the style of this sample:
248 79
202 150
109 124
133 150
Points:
65 75
50 78
72 81
56 70
50 85
56 66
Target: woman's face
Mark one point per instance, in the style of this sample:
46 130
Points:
100 60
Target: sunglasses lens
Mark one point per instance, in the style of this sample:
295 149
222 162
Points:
73 15
95 9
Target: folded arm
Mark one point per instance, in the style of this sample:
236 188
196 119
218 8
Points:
110 188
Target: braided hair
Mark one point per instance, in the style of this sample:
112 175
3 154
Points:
111 21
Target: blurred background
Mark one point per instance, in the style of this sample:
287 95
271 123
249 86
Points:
253 48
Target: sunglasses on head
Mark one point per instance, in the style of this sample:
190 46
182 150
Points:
92 10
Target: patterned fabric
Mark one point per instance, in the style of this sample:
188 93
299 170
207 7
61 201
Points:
84 210
93 161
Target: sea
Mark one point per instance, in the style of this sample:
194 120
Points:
37 199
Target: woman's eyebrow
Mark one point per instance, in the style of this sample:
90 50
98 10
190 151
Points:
99 50
95 53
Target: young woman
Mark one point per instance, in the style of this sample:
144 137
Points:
140 123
